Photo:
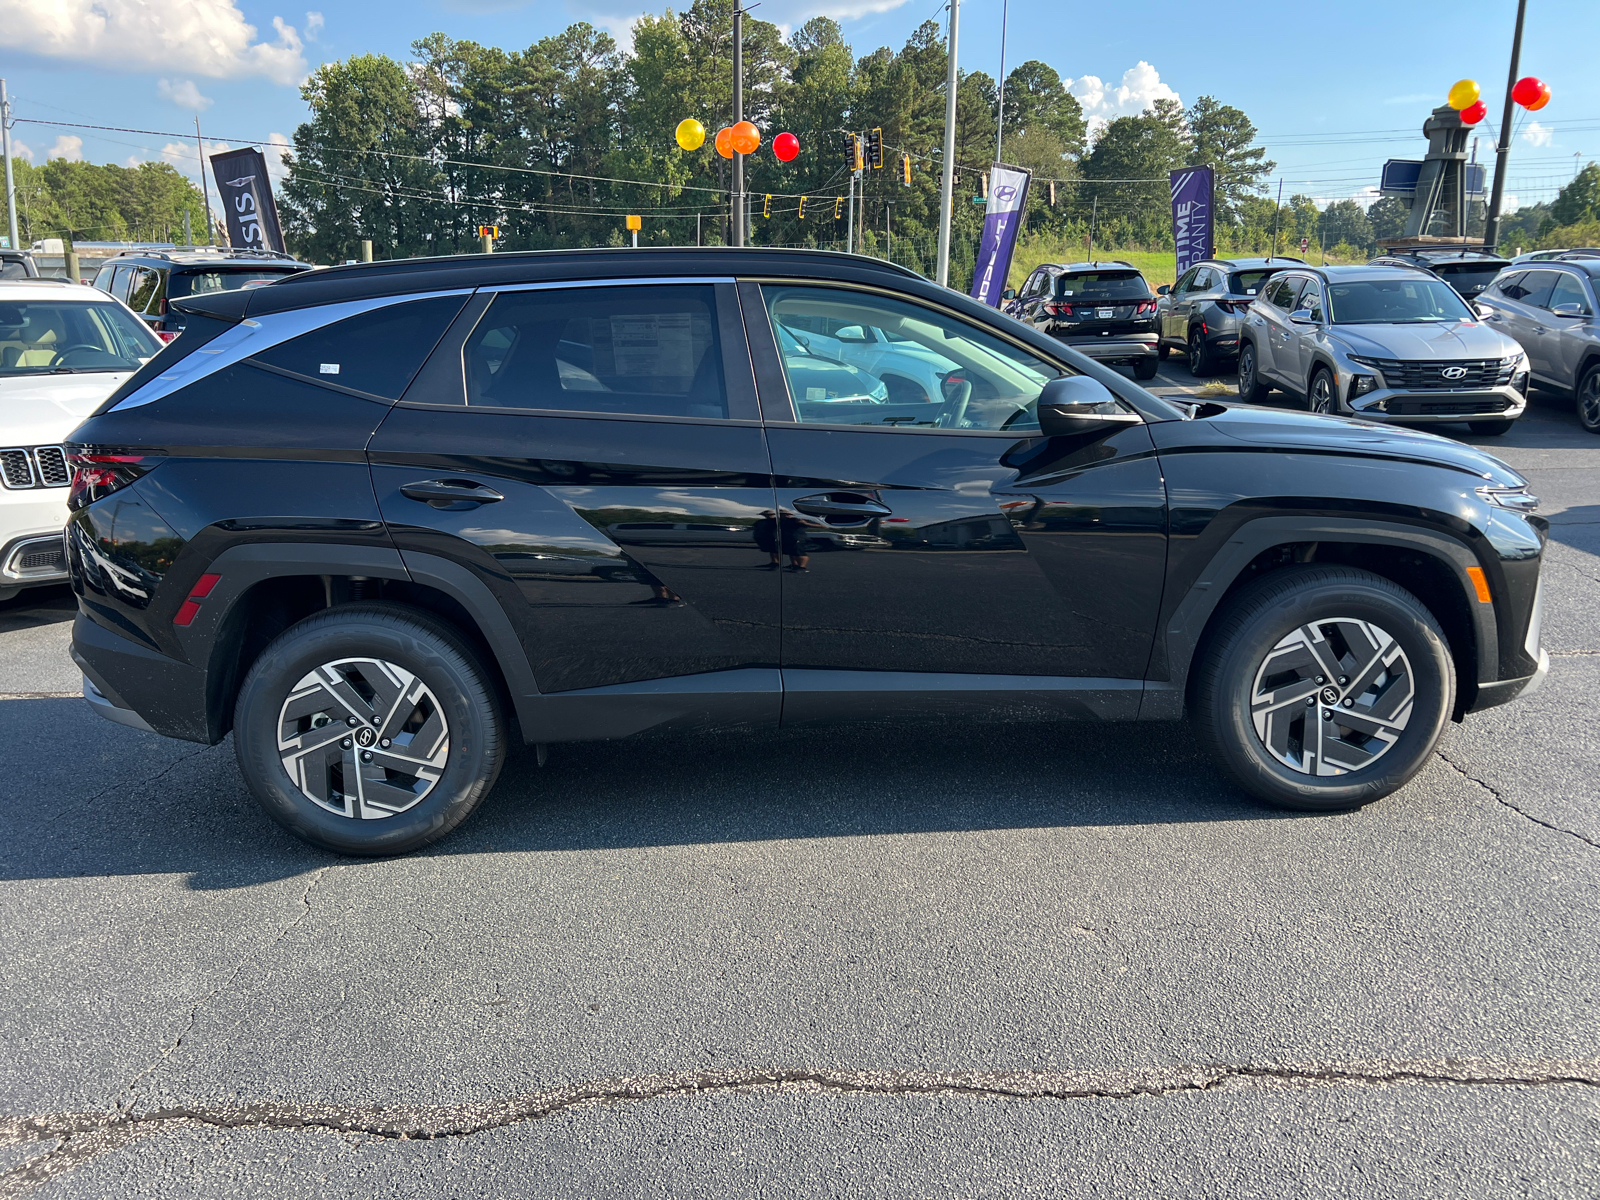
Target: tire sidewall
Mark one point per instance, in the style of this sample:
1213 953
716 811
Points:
1588 380
476 739
1243 653
1248 361
1332 409
1199 359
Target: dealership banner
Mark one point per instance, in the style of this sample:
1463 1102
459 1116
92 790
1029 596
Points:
1193 215
1002 221
247 199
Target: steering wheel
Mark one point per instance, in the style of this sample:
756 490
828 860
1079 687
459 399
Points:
955 405
61 355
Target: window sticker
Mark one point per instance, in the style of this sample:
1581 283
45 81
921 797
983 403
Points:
644 344
329 369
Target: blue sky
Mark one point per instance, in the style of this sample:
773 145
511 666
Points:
1335 88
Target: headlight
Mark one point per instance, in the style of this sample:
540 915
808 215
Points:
1520 382
1360 385
1364 361
1518 499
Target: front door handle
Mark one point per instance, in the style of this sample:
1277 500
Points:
826 506
451 495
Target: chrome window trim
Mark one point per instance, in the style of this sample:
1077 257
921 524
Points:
255 334
545 285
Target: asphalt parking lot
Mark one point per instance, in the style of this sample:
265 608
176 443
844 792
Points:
928 962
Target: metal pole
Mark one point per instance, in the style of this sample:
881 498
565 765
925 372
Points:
888 231
1000 128
5 148
1094 213
738 115
1275 213
850 221
947 176
1491 228
698 239
204 190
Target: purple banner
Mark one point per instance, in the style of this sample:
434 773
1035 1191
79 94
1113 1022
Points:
1193 216
1008 194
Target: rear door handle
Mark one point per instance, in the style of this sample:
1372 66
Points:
824 506
451 495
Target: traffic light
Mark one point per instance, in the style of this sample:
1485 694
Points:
857 158
905 170
838 208
801 215
766 206
875 149
489 231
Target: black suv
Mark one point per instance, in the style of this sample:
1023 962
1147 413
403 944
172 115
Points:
1105 310
148 281
1469 272
399 514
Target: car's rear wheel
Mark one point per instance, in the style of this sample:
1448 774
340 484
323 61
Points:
1145 369
1588 393
1322 396
1162 350
1199 355
1324 688
368 729
1490 428
1251 388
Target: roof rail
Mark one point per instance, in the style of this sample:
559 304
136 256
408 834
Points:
218 251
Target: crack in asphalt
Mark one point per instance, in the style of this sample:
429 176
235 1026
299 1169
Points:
1500 797
83 1136
129 790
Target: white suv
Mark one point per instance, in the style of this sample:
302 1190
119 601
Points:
63 349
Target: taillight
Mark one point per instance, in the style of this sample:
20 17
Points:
1234 306
1145 308
96 474
1058 310
166 335
163 309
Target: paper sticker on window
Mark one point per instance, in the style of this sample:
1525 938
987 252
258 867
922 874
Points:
330 369
648 344
813 393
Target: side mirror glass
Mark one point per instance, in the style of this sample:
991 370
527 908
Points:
1009 294
1163 290
1077 405
1302 316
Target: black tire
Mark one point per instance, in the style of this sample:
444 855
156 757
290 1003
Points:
1162 350
1268 616
1322 394
1490 428
453 692
1145 369
1588 397
1251 388
1200 360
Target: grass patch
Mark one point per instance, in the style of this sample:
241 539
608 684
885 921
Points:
1157 266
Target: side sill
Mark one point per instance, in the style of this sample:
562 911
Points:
825 697
750 697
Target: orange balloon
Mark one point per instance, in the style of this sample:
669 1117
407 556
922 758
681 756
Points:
1544 98
725 143
746 138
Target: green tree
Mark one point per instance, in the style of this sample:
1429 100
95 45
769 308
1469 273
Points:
1036 99
1222 137
1388 215
1578 201
1343 221
1125 175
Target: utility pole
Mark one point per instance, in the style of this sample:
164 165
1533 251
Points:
947 176
1000 111
5 148
1094 215
1491 228
205 192
1275 212
888 231
738 115
850 222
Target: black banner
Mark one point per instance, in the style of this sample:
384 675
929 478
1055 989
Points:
246 194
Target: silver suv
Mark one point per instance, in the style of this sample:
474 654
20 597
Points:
1549 307
1200 315
1383 343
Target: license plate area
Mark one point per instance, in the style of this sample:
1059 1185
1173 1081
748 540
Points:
1105 314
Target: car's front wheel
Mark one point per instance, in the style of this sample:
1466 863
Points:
1322 396
368 729
1251 388
1588 393
1323 688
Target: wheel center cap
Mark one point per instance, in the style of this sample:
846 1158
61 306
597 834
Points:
367 735
1330 695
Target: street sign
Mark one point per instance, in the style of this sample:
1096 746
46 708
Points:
1400 178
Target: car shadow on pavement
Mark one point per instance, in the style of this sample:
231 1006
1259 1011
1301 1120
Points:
37 606
92 799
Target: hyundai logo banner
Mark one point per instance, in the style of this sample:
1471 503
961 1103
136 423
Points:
1002 221
1193 215
247 199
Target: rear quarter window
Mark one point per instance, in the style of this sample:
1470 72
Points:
374 352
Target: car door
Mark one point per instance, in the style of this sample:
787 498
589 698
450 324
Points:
1170 304
1571 331
1269 321
1298 348
1526 317
976 548
592 453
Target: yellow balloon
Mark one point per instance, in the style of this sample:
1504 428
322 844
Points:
691 134
1463 94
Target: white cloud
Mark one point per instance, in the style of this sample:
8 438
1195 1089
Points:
183 93
314 24
21 150
277 169
208 37
1509 204
1140 87
68 146
1367 196
1538 135
185 157
620 28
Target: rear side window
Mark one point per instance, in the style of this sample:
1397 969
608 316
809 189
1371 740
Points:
142 292
13 269
632 350
1104 285
375 352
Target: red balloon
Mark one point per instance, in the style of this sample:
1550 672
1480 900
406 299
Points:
1527 90
1474 113
1544 98
785 146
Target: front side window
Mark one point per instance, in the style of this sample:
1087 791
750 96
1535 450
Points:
647 350
67 337
1183 284
376 352
920 369
1283 293
1413 300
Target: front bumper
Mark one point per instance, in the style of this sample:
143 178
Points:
1121 348
1436 405
33 559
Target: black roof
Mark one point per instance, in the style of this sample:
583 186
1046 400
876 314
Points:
396 277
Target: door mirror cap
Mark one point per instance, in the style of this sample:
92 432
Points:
1570 309
1163 290
1302 316
1483 311
1076 404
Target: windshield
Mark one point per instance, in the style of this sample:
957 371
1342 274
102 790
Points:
1248 283
63 336
198 283
1414 301
1103 285
1469 276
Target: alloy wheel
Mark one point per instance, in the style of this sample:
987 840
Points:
1322 397
1332 697
1589 402
1247 370
363 738
1197 355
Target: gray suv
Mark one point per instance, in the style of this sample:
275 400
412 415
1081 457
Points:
1549 308
1382 343
1201 313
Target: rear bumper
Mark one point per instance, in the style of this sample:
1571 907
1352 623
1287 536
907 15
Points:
158 693
1127 348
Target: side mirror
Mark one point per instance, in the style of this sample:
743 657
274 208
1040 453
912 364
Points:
1483 311
1163 290
1570 309
1076 405
1302 316
1009 294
